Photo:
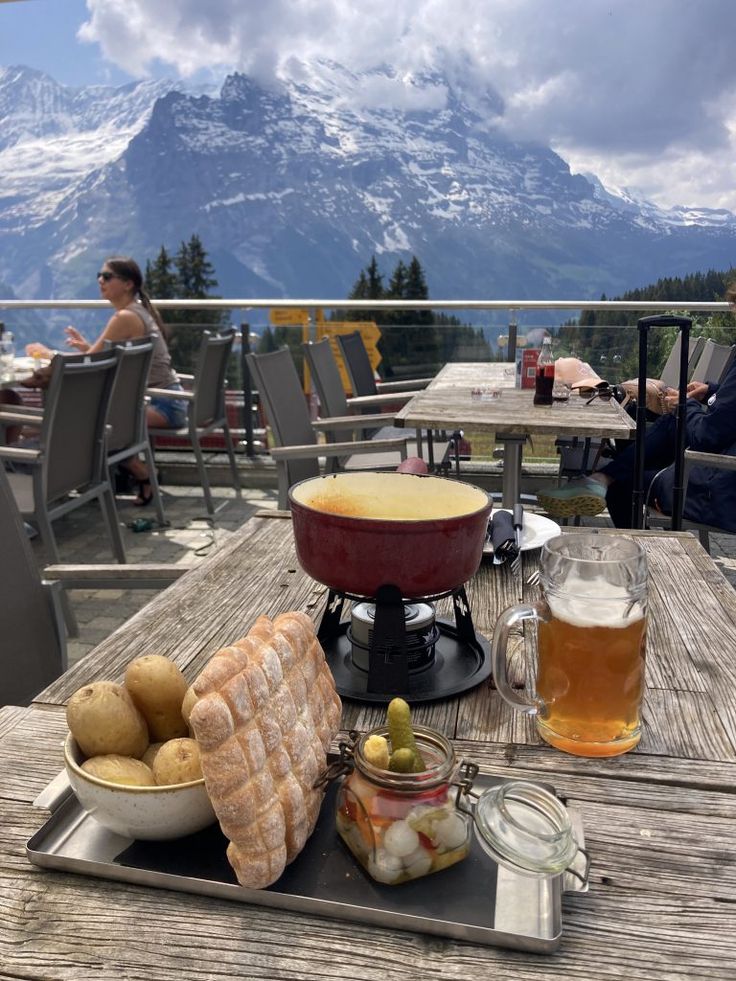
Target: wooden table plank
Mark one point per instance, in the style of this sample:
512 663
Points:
659 820
663 878
448 403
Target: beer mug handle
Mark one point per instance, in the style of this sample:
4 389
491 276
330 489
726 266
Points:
509 619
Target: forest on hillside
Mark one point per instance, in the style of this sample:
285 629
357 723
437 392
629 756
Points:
609 341
419 342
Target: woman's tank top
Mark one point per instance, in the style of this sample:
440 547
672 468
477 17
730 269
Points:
162 375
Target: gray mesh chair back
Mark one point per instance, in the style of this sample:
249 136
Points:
72 436
714 362
72 453
127 427
281 392
127 415
326 378
206 407
210 372
33 645
357 363
670 374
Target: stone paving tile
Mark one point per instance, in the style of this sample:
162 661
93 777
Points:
190 536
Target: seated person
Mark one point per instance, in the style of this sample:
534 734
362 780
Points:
121 283
710 426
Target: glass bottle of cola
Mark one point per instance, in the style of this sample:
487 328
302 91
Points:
545 374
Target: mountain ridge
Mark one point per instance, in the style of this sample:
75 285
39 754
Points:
292 189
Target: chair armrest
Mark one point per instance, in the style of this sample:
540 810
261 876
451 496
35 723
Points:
353 422
20 454
410 384
182 377
141 576
718 460
337 449
366 401
26 410
166 393
12 417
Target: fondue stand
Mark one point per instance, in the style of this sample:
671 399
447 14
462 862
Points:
394 544
397 647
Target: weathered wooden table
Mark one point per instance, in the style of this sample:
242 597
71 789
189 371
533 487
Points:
659 821
455 398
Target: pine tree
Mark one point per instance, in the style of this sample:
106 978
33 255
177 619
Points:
195 277
412 340
161 281
592 342
375 281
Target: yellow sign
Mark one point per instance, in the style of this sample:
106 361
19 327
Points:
286 316
368 331
283 316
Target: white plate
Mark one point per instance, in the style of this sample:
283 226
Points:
536 531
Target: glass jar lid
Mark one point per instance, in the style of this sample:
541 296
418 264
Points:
525 828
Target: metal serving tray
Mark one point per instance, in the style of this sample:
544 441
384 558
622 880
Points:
475 900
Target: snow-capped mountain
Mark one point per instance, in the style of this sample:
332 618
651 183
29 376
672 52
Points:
293 190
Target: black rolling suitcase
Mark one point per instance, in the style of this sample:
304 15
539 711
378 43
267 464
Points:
639 496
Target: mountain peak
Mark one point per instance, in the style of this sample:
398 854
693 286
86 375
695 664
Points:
292 188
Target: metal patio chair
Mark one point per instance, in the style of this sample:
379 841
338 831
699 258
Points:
363 380
67 469
127 428
31 616
297 451
714 362
206 406
333 402
670 373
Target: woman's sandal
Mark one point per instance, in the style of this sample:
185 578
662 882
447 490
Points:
144 499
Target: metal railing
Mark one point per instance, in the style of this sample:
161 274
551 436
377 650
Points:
317 307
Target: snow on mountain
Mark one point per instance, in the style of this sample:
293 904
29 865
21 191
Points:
52 136
293 189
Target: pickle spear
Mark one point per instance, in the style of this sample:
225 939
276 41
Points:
401 734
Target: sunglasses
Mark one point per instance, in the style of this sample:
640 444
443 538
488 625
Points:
602 393
107 276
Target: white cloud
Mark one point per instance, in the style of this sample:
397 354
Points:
642 92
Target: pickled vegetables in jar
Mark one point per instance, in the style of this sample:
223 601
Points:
402 826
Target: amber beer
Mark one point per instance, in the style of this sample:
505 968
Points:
590 673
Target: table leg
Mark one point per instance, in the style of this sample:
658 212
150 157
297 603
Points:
511 476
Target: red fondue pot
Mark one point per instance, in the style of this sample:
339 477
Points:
355 532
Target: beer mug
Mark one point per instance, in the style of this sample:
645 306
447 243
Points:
591 635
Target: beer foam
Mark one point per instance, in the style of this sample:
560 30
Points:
594 603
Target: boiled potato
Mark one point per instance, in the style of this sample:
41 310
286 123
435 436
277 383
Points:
150 754
187 705
177 762
103 719
120 769
157 687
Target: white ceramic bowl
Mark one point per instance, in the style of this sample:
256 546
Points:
149 813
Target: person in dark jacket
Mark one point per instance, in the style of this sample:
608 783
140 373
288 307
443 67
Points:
710 426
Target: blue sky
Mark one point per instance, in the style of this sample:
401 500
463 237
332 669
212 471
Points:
42 34
642 94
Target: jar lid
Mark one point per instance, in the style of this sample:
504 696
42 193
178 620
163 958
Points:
525 828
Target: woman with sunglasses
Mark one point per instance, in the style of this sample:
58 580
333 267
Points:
710 426
121 283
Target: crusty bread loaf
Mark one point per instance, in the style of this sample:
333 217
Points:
265 714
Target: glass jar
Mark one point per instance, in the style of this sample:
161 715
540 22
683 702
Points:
402 826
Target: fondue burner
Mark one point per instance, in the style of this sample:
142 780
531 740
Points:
393 646
420 629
